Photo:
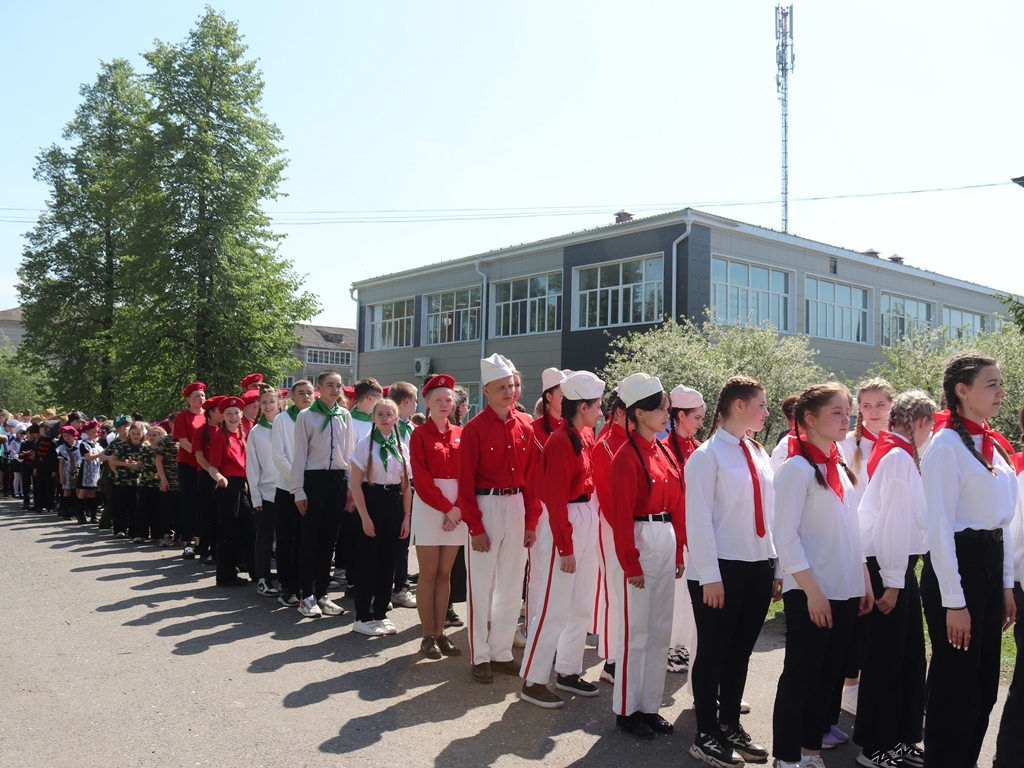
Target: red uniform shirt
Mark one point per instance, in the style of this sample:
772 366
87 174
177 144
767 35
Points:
185 426
495 453
564 477
434 454
605 448
228 456
632 498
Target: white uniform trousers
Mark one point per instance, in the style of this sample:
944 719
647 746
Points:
609 595
495 578
646 622
561 604
531 561
683 627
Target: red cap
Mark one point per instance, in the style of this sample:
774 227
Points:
231 402
384 391
69 430
252 378
251 396
213 402
283 392
192 388
441 380
350 392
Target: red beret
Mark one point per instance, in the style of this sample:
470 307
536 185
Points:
69 430
213 402
252 378
193 387
283 392
251 396
384 391
231 402
350 392
441 380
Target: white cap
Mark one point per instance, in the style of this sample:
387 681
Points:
684 397
582 385
637 387
13 423
552 377
494 367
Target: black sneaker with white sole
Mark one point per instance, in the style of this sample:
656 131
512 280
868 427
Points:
913 755
538 694
746 747
714 752
575 684
881 758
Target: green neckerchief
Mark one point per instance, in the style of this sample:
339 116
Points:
388 445
293 411
329 413
405 429
264 423
360 416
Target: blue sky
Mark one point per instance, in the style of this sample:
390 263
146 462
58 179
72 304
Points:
651 105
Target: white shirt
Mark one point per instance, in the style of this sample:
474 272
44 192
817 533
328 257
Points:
360 429
283 443
259 461
815 530
781 452
395 471
319 447
962 494
893 515
849 450
720 506
1017 530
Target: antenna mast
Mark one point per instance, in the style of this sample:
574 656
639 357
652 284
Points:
785 60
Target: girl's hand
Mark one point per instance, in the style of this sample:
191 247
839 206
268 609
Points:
481 543
777 590
165 486
680 570
368 528
819 609
888 600
958 628
567 563
529 539
403 533
1011 610
636 581
714 595
222 482
452 519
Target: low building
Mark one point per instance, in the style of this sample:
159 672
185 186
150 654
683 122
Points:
11 327
321 347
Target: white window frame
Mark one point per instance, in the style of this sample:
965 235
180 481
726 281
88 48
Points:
454 313
475 399
748 289
593 294
496 305
375 328
341 357
956 332
867 312
913 326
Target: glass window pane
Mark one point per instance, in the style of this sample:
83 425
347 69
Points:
738 274
843 294
812 318
504 291
632 272
826 291
784 314
555 282
812 288
588 279
537 287
447 302
614 313
734 304
860 298
609 276
744 308
780 282
719 302
885 302
654 270
719 271
759 278
461 299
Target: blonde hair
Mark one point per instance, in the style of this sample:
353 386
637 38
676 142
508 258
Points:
877 384
907 408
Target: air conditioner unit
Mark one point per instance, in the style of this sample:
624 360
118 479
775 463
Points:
421 367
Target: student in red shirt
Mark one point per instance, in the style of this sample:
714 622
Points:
226 457
250 408
251 383
494 500
647 522
185 424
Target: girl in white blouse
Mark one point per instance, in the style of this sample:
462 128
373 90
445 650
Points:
967 581
825 582
890 710
383 498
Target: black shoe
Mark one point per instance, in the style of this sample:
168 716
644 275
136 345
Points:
235 582
482 673
658 723
448 648
539 694
608 673
575 684
714 752
452 619
634 725
429 648
743 745
508 667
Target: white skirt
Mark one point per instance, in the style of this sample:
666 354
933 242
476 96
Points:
427 522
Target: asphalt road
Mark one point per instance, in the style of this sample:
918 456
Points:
122 655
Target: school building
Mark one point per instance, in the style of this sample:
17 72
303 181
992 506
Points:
554 302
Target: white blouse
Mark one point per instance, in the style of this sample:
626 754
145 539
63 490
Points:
720 506
1017 529
259 460
282 440
849 450
962 494
378 474
815 530
893 515
781 452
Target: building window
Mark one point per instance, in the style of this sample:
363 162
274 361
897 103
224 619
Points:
836 311
833 266
328 357
529 305
288 383
473 388
745 294
622 293
391 324
961 324
903 318
453 316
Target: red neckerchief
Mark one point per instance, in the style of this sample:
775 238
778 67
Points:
1018 462
816 456
865 432
758 503
989 436
885 442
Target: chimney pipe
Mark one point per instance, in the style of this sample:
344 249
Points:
623 217
896 259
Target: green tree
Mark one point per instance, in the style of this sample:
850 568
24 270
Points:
705 355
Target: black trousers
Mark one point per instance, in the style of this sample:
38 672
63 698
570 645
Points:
726 638
188 499
459 578
234 530
814 659
288 537
402 565
266 525
170 505
963 685
26 485
147 517
376 555
1010 742
208 515
124 502
44 488
326 491
890 704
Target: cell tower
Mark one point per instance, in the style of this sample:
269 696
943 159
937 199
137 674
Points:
785 61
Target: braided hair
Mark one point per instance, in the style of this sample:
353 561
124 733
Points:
964 369
649 403
545 397
907 408
387 403
812 401
673 438
569 410
877 384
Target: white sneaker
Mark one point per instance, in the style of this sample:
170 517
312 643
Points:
267 588
369 628
309 608
519 638
387 627
849 702
329 608
404 599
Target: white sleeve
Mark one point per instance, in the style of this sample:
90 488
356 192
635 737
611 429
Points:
780 453
360 454
790 498
891 534
1017 534
701 472
349 445
300 452
281 456
253 471
940 475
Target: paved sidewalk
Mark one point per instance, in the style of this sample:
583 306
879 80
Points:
123 655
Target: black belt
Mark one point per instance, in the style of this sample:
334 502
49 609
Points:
385 486
974 534
583 499
498 491
664 517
